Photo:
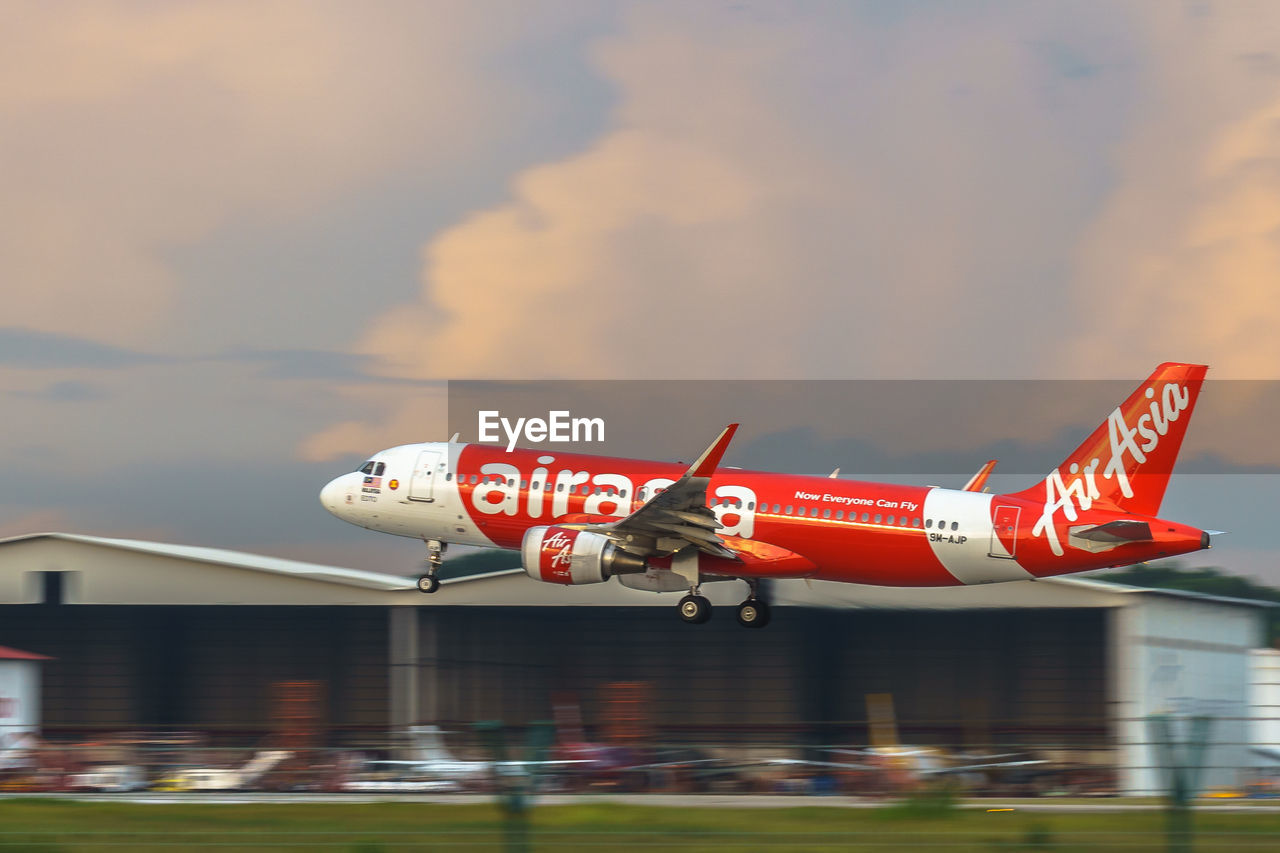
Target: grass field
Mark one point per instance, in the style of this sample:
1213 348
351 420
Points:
47 826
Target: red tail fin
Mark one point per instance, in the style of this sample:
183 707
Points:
1127 460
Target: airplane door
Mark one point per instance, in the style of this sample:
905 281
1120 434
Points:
422 485
1004 532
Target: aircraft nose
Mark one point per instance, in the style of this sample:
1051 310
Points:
334 495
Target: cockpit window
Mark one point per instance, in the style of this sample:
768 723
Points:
379 468
368 467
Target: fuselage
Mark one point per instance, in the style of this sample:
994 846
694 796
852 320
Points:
844 530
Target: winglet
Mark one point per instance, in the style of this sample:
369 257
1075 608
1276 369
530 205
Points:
710 458
978 480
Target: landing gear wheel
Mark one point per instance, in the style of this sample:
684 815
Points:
695 609
429 583
753 613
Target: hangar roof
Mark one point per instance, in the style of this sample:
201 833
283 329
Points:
129 571
7 653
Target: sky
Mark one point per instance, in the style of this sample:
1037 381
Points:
245 245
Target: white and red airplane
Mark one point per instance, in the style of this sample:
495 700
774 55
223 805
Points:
580 518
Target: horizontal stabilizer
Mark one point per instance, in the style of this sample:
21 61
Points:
1118 532
1103 537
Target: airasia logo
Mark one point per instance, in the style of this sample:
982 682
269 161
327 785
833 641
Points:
506 489
557 553
1065 496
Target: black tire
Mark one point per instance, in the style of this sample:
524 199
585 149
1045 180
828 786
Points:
753 613
428 584
694 609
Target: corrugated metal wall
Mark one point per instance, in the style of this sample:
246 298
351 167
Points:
205 668
957 677
966 678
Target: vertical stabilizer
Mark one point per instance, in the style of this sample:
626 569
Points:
428 744
1126 462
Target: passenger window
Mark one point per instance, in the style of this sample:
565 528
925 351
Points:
524 484
839 515
751 504
788 510
813 513
866 516
622 494
879 518
535 485
448 477
826 513
890 520
955 525
559 487
942 525
915 522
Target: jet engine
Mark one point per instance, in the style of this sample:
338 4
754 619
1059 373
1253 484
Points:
559 554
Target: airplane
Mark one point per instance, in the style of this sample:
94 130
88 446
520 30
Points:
579 518
433 766
431 760
225 778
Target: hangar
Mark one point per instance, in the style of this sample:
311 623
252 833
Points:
146 635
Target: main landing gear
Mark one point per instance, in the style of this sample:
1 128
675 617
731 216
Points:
695 609
754 612
429 583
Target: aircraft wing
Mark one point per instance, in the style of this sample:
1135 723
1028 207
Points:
679 512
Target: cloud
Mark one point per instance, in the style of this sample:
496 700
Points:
67 391
1181 263
306 364
131 131
787 194
25 348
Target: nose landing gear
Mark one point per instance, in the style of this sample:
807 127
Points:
429 583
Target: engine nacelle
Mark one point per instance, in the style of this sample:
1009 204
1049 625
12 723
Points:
558 554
